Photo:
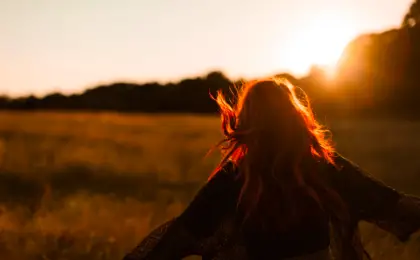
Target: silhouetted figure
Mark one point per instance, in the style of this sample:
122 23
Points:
280 191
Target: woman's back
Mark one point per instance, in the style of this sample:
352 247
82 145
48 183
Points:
308 235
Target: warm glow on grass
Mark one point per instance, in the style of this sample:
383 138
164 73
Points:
320 41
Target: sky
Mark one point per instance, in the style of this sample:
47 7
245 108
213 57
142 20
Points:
70 45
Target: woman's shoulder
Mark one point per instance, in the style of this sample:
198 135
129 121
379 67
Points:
226 172
341 168
348 172
357 186
222 181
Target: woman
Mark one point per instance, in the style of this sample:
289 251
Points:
280 190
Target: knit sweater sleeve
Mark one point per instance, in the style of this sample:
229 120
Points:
183 236
373 201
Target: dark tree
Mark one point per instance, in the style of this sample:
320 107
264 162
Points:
412 18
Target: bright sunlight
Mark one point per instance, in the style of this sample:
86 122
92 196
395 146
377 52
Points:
320 41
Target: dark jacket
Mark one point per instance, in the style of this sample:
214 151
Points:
209 227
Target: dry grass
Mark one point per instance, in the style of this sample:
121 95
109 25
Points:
90 186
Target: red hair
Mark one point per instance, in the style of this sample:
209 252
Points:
274 140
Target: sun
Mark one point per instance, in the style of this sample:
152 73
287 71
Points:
320 41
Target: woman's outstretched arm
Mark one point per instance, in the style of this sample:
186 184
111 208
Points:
184 235
375 202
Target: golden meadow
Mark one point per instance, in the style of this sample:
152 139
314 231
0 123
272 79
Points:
90 186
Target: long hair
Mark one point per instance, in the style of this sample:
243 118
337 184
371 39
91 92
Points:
273 138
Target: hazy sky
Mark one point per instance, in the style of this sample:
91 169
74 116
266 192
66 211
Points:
68 45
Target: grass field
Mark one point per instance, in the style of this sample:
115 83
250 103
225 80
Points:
90 186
